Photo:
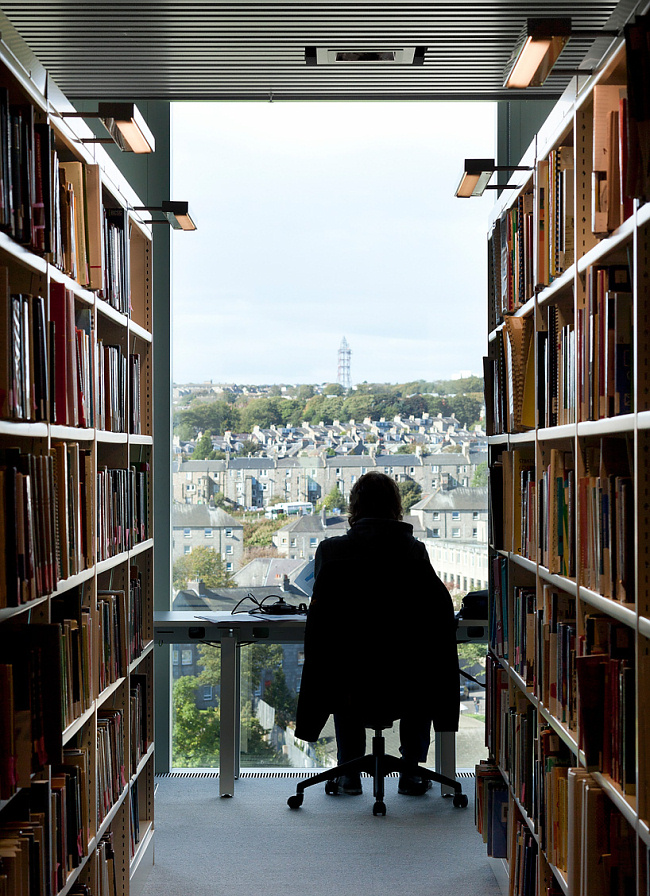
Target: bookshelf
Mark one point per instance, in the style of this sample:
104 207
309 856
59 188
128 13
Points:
568 394
76 444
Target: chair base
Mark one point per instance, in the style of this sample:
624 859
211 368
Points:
378 764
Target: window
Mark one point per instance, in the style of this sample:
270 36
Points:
283 540
435 533
301 657
313 542
293 542
228 533
176 657
435 468
187 549
338 471
436 514
208 533
364 470
207 692
455 532
475 514
229 566
229 549
352 478
474 534
186 656
455 515
187 533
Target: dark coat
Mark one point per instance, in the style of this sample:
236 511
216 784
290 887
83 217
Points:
380 637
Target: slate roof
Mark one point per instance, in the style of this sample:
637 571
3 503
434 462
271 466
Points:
202 516
228 598
460 498
264 571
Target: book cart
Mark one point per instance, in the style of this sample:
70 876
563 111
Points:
76 575
564 800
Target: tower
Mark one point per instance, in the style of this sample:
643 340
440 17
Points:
344 364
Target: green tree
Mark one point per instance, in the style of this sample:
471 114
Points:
333 389
283 700
305 393
466 409
248 447
411 493
259 533
184 432
195 732
480 476
334 500
216 416
204 564
411 448
203 446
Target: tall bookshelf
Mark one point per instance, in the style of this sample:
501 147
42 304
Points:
568 395
76 442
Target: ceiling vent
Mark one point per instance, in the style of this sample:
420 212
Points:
368 56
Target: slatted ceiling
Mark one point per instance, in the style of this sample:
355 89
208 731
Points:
207 49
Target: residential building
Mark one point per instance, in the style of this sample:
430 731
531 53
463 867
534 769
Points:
204 525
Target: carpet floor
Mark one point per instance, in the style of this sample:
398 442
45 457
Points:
332 846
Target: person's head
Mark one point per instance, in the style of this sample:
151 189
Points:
375 495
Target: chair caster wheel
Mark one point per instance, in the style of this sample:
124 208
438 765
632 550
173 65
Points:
331 788
379 808
460 801
295 801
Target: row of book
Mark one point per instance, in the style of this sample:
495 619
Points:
111 769
122 509
116 286
49 367
136 634
111 614
556 369
604 339
138 702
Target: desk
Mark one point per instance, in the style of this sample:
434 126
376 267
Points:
231 631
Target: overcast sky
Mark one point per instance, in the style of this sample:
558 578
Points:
323 220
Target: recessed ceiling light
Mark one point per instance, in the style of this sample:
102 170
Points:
366 56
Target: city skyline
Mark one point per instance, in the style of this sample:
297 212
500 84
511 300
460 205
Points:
318 220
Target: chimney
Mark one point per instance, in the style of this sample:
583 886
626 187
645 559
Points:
285 582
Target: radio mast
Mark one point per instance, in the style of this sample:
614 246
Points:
344 365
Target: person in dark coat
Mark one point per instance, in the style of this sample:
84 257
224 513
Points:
380 636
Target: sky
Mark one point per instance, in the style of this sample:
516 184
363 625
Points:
323 220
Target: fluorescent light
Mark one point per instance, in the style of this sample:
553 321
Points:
178 215
127 127
475 178
536 52
365 55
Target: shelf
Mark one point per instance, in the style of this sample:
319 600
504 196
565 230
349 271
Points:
72 433
17 429
22 255
76 726
644 626
111 562
146 650
109 690
81 293
110 815
560 877
139 332
143 846
141 548
555 433
625 613
141 764
607 426
9 612
560 582
549 294
625 804
111 438
523 562
608 245
643 420
73 581
111 313
519 438
140 440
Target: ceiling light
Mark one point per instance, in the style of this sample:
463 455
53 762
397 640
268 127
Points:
365 56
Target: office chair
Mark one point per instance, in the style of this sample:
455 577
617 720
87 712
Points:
378 764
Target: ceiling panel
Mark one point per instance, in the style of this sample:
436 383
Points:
206 49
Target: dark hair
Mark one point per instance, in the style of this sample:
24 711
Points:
375 495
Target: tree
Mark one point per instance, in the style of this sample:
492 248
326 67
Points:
248 447
411 448
411 493
259 533
195 732
216 416
334 389
466 409
203 446
480 476
334 500
284 701
203 564
305 393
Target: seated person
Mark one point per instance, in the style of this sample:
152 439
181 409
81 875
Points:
380 637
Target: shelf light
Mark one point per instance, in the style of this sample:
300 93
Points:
538 49
476 176
125 124
176 213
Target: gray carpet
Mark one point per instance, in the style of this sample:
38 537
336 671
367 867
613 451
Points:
332 846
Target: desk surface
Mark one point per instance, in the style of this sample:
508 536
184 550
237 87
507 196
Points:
185 626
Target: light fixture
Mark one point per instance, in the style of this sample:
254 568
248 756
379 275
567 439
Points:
124 122
367 56
538 48
476 175
176 213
